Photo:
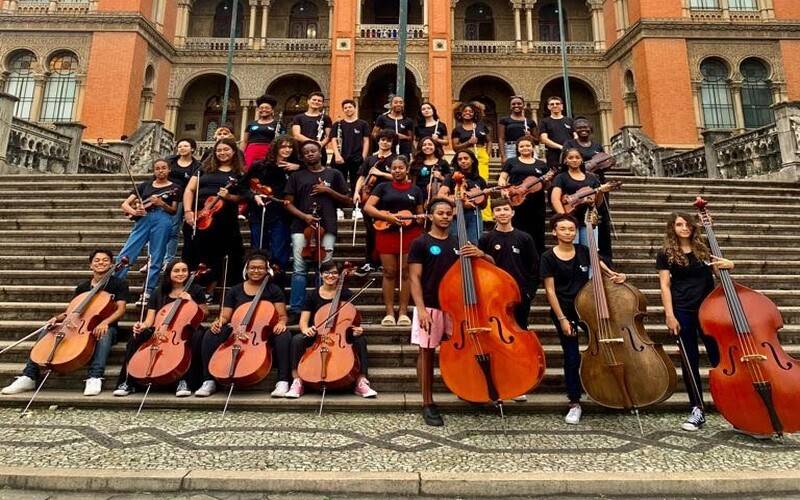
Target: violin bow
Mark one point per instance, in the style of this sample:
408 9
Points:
224 282
352 299
196 202
144 290
355 223
133 182
695 387
400 259
261 235
46 326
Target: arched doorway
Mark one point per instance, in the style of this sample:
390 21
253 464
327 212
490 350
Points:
584 102
381 83
388 12
222 20
292 92
304 20
492 92
201 107
479 22
548 23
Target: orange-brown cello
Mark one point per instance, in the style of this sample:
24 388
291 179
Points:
489 357
165 357
756 385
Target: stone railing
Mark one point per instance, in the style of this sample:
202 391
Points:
391 31
209 43
484 47
753 153
54 7
150 142
33 148
100 160
304 45
554 48
637 153
688 164
202 147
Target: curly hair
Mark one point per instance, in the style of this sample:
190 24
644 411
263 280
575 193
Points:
672 246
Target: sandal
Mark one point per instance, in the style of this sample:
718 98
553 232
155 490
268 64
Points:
403 320
388 320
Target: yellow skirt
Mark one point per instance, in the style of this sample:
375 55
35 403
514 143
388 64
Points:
483 171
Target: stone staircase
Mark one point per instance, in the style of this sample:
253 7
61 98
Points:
48 225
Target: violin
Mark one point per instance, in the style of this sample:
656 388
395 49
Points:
434 183
313 235
372 180
600 162
582 196
165 357
405 216
212 206
756 384
330 362
266 191
245 358
621 367
489 357
70 346
518 193
146 204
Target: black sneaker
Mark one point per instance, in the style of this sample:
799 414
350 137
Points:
695 420
432 416
364 270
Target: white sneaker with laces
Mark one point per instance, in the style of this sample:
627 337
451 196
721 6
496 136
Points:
183 390
208 388
94 386
21 384
574 415
281 388
694 421
122 390
296 390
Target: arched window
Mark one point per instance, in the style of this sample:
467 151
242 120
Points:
479 22
756 94
715 95
20 83
303 20
743 4
704 4
61 88
631 100
548 24
222 20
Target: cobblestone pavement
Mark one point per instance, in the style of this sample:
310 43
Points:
397 442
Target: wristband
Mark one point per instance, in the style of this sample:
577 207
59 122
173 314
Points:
188 211
562 318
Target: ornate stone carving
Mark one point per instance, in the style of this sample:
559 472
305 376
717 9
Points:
733 54
45 46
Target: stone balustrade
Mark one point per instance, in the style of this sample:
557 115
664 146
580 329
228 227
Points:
573 48
484 47
211 43
35 149
301 45
687 164
97 159
390 31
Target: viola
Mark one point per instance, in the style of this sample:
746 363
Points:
621 367
70 346
212 206
146 204
405 216
756 384
266 191
330 361
489 357
313 235
165 357
582 196
517 194
245 358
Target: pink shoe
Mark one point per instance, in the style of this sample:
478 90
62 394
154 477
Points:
363 389
296 390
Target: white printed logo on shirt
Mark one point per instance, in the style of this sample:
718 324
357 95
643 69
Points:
514 249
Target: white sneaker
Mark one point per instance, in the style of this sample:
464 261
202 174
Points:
574 415
281 388
339 214
93 386
123 390
363 389
521 399
296 390
357 213
183 390
21 384
208 388
694 421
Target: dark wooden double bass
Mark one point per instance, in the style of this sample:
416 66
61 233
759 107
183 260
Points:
489 357
330 362
756 385
70 346
165 357
621 367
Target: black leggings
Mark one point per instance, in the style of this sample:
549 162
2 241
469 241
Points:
530 217
690 332
136 341
300 343
281 345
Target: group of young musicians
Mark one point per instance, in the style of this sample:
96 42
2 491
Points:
406 194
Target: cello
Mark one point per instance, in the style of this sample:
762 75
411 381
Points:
621 367
756 385
330 361
165 358
489 357
70 346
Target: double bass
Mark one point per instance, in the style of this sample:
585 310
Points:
489 357
756 385
621 367
165 357
330 362
70 346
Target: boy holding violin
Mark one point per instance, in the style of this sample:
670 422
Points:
100 262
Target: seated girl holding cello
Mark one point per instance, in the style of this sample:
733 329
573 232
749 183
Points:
257 270
301 342
172 288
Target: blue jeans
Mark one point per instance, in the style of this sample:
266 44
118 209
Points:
474 226
510 149
153 229
174 236
97 366
300 266
275 239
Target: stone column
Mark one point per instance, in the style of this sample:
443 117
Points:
245 106
330 20
147 104
173 105
685 9
529 23
251 30
619 17
766 8
7 102
787 123
598 28
264 17
517 27
698 108
710 137
80 93
75 132
182 23
52 6
606 122
425 13
726 11
738 109
38 97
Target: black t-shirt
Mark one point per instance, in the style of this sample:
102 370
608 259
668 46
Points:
146 190
439 129
180 175
160 299
394 200
268 174
481 131
211 182
518 171
517 128
514 252
403 126
115 286
436 257
422 173
261 133
309 125
314 301
299 187
587 152
352 141
384 165
569 185
558 130
237 296
689 284
569 276
469 182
